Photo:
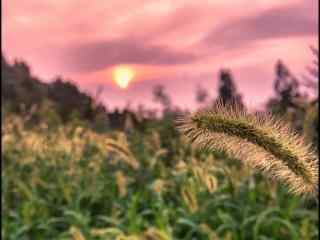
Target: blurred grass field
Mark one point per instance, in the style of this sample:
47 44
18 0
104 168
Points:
69 182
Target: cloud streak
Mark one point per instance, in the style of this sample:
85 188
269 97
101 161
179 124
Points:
280 22
99 55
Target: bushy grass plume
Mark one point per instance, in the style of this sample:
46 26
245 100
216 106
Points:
260 140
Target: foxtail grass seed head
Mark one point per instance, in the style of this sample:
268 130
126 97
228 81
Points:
155 234
122 149
76 234
189 197
259 140
121 183
211 183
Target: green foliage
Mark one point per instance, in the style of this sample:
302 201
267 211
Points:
68 182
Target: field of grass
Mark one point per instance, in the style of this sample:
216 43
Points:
69 182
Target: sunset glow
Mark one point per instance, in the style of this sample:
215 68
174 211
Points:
122 76
177 44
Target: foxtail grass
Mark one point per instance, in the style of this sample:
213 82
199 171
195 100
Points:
259 140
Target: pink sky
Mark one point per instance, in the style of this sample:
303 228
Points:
179 44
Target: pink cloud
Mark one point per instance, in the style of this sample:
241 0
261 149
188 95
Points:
176 43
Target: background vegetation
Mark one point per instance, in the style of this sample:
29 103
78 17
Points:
73 170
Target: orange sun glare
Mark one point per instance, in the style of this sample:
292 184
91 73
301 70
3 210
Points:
123 75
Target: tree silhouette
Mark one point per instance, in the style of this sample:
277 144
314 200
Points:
201 95
312 79
286 87
227 89
21 88
70 100
160 96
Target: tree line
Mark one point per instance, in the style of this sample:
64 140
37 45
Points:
62 101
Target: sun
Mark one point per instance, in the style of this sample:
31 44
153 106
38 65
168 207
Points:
123 75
